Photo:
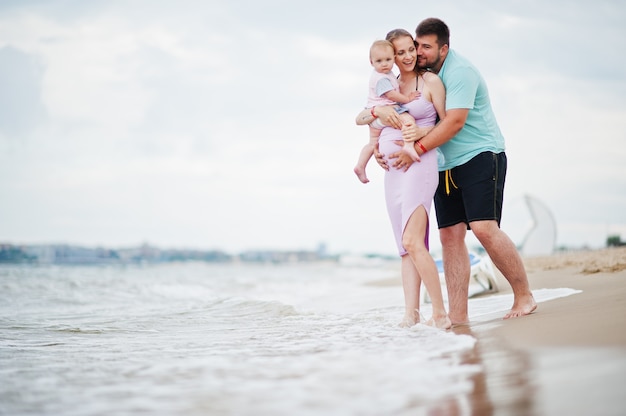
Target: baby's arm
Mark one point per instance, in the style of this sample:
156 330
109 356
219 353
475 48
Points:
386 114
400 98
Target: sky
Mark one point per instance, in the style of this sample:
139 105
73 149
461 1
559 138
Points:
229 125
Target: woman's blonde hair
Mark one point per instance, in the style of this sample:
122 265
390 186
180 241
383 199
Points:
397 33
400 33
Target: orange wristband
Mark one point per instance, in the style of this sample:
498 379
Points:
424 150
372 112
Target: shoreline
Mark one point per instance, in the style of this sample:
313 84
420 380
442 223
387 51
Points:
600 309
568 357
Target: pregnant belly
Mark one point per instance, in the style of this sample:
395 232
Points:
387 145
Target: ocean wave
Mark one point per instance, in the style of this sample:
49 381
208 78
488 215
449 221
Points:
237 307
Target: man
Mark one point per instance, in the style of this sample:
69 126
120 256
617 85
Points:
471 181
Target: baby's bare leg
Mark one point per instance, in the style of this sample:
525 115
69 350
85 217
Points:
366 155
409 148
408 120
409 145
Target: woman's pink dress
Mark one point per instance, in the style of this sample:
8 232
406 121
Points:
405 191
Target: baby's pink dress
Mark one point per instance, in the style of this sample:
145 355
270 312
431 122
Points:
405 191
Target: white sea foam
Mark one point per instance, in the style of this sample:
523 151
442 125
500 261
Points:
196 339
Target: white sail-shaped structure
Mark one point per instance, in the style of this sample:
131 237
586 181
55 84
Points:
540 239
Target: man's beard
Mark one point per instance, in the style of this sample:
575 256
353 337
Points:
427 65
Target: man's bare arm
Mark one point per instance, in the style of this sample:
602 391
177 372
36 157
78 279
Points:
444 131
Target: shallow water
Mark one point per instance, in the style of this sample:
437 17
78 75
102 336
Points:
198 339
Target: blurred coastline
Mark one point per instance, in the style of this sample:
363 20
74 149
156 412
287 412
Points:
43 254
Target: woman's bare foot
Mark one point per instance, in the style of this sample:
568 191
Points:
410 319
407 323
360 173
441 322
523 305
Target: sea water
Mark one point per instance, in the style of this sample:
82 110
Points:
211 339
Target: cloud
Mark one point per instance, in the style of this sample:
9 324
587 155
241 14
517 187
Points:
231 124
21 107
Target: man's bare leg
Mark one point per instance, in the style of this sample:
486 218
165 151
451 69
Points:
506 258
456 267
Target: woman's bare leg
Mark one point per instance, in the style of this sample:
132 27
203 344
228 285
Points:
411 286
413 242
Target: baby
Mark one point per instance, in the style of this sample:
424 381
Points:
384 90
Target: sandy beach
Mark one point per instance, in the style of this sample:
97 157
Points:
568 358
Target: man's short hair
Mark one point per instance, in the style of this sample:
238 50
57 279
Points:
434 26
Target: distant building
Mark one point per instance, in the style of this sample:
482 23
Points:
67 254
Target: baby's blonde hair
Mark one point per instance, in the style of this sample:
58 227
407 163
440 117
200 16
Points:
382 44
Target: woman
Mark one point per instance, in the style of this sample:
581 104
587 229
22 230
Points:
409 193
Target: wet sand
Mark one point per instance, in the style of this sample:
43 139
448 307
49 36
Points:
568 358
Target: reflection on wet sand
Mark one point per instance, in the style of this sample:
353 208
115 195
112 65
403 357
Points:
568 359
502 385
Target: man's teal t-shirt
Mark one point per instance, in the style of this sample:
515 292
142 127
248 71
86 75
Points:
466 88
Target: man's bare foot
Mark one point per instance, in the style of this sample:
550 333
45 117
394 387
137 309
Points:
459 322
462 329
360 173
525 305
441 322
409 150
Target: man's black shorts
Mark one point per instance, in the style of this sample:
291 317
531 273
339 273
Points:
472 192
